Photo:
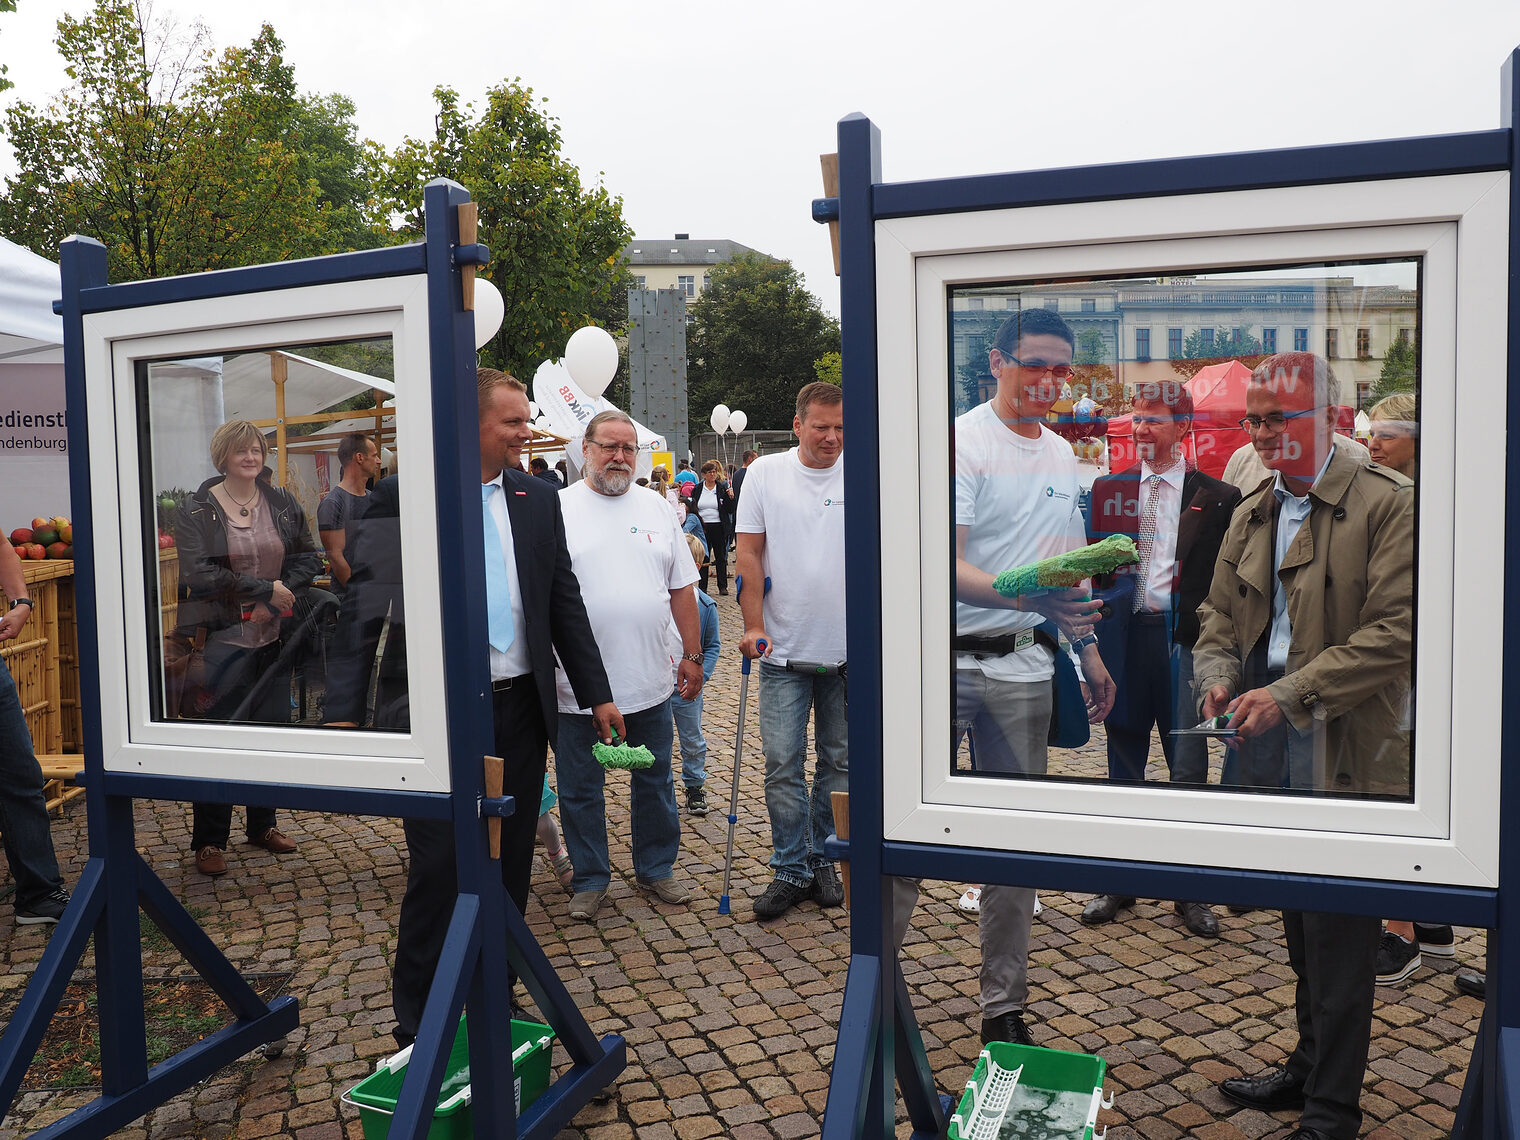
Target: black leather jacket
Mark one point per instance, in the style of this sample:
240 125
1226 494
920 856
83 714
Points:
211 593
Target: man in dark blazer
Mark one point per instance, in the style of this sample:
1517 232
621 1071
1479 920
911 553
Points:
1178 517
548 617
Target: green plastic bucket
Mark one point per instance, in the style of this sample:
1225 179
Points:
376 1095
1055 1095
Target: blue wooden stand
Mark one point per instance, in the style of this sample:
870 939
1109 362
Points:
878 1035
486 930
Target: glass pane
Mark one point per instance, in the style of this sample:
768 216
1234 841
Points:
1233 524
272 535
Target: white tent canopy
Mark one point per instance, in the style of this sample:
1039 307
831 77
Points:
30 333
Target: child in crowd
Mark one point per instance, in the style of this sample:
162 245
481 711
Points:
548 835
688 713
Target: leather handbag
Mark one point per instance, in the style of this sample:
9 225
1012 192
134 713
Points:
185 691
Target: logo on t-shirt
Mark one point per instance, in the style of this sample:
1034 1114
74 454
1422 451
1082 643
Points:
1052 493
833 502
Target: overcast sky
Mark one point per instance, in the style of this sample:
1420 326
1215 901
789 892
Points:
708 118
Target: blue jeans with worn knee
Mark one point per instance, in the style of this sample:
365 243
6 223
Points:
688 716
655 826
24 828
802 817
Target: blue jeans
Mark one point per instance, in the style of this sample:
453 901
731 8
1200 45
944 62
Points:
656 828
801 817
688 716
24 828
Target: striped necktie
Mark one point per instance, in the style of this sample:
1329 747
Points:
1147 541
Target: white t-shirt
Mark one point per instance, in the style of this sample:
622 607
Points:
1019 497
629 555
800 510
707 503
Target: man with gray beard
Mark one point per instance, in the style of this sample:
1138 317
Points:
636 578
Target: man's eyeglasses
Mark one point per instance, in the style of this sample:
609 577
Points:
1040 367
622 450
1275 421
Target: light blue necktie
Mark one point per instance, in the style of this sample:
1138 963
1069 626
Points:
498 590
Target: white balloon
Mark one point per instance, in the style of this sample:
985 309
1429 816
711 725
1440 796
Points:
737 421
532 410
490 311
719 418
591 356
387 457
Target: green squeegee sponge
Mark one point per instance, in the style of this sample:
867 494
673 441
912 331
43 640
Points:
1069 569
622 755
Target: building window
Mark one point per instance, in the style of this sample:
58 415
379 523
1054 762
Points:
1207 336
687 284
1364 344
1053 303
638 283
1404 336
1174 344
975 304
1142 344
1332 344
706 282
1300 340
1089 304
1269 340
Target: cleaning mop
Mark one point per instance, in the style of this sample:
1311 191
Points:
620 755
1069 569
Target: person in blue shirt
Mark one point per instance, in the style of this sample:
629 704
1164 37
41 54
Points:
688 713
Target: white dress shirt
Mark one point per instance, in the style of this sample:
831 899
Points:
514 662
1161 574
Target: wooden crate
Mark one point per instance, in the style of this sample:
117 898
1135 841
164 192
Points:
33 657
168 588
70 712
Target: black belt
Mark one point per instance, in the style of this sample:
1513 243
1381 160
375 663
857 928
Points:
1000 644
502 684
1150 617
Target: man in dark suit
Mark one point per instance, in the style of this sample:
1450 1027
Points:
1177 517
547 617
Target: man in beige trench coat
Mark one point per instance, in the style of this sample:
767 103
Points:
1305 641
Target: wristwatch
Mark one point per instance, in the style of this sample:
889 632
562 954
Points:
1083 642
23 602
694 658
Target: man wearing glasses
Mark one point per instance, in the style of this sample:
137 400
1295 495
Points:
636 576
1178 517
1305 644
1015 503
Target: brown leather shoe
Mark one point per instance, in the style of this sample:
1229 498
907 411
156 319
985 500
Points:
275 841
209 861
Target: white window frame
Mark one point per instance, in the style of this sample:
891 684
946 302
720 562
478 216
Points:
1459 225
133 741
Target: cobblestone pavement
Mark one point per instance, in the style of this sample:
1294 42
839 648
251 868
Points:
731 1023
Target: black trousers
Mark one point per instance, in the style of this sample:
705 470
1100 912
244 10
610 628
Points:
1335 958
1156 690
717 544
234 672
432 881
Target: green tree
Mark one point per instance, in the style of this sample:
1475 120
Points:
556 245
1091 373
755 335
6 84
1199 352
1400 371
829 367
179 159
